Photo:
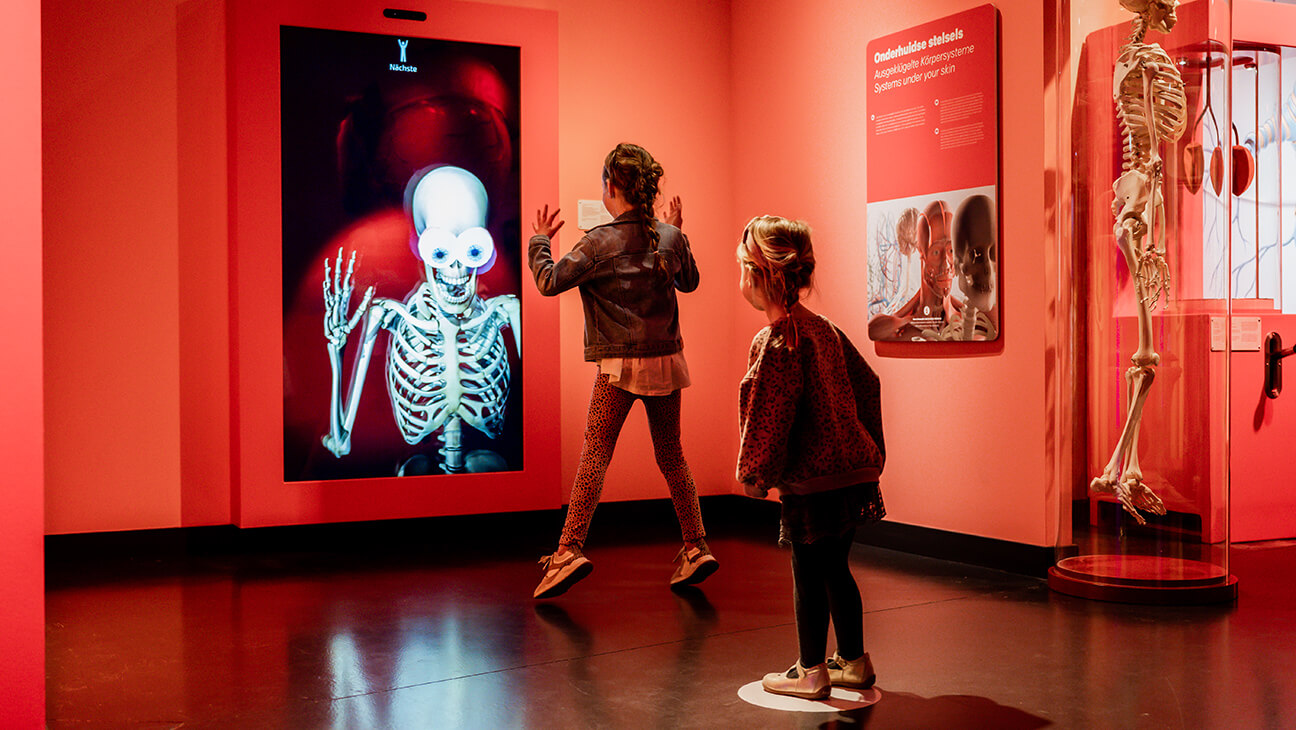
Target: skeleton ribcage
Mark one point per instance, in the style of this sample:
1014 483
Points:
440 368
1169 103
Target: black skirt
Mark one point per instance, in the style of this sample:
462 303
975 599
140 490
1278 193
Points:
810 517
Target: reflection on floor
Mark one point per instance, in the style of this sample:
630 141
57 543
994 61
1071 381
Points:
430 624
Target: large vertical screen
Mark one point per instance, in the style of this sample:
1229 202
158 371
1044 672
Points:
401 256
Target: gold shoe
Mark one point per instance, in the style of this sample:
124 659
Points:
693 565
858 674
798 681
562 572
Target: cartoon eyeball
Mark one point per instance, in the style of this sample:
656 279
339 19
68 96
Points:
476 249
436 247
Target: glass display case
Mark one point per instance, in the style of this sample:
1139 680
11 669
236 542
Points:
1148 155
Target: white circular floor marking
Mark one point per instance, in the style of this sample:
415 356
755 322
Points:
842 699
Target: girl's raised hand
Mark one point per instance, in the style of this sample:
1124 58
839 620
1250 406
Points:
546 223
675 212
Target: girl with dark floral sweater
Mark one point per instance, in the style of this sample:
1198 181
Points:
811 427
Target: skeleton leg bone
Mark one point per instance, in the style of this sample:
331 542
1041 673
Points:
1122 478
1138 494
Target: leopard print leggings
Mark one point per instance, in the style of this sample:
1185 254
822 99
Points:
608 408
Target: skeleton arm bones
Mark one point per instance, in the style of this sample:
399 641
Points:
338 288
1152 271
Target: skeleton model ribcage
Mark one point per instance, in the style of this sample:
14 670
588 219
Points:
1146 77
1151 107
441 367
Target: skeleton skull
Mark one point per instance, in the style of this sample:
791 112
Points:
1158 14
974 251
448 207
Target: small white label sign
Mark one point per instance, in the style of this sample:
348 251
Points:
1245 334
590 213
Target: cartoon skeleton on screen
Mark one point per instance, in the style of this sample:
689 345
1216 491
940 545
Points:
1152 108
447 363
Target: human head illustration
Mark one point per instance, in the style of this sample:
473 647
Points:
936 249
907 231
975 252
447 206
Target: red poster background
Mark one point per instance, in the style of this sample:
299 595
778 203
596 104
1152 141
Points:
933 112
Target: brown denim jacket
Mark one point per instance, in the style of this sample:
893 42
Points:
630 308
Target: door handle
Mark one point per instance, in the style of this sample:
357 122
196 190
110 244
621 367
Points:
1274 354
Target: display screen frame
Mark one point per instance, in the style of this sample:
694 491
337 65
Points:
261 493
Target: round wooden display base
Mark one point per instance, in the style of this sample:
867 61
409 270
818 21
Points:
1143 579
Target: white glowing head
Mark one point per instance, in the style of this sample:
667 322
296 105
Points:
448 207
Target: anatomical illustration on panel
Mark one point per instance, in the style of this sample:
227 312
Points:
933 268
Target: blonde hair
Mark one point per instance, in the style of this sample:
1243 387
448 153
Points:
778 251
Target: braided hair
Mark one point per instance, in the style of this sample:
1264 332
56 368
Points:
633 171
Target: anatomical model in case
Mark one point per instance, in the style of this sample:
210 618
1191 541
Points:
1152 109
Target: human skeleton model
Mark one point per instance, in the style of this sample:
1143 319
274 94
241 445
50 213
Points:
1152 108
446 357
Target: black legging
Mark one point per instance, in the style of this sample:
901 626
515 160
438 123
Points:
822 585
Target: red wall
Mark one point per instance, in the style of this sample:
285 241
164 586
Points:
22 572
135 224
965 435
118 287
661 79
752 106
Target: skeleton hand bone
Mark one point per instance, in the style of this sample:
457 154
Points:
337 298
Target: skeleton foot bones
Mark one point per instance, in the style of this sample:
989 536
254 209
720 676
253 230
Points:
1123 478
1132 493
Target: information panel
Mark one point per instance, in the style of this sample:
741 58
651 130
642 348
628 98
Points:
933 180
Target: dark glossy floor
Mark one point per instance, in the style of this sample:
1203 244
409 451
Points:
430 624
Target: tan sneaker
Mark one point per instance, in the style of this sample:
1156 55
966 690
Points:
693 565
797 681
562 572
858 674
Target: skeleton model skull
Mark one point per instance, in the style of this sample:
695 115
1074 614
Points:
446 357
1152 108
